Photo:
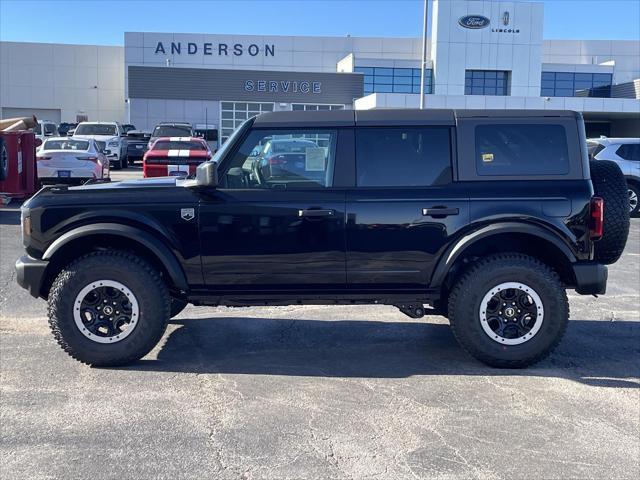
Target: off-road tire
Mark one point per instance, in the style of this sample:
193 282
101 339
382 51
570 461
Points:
636 188
610 184
138 276
177 306
467 294
4 161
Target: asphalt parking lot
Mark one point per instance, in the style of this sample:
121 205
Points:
321 392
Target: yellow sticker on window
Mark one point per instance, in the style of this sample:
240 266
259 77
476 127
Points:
487 157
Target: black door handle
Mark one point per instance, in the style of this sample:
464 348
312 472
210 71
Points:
439 212
315 213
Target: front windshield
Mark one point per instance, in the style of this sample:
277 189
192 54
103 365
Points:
95 129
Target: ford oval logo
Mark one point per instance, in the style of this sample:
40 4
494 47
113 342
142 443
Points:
474 21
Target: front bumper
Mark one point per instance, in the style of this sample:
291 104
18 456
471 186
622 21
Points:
30 274
591 278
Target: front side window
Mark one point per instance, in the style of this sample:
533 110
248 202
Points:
283 159
528 149
403 156
96 129
629 151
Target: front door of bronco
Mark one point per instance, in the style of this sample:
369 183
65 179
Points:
275 222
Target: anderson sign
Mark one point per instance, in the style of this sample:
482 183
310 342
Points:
219 49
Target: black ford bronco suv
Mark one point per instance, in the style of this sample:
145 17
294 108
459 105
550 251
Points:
484 217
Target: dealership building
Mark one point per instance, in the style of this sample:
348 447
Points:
481 55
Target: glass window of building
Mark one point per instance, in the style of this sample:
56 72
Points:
232 114
315 107
486 82
569 84
394 80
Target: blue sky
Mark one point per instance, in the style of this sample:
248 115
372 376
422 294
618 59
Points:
103 22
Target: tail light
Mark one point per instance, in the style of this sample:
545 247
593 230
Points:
90 159
42 158
596 225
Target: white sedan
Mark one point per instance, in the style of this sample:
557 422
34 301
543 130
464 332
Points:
71 161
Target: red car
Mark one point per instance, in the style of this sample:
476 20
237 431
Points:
175 156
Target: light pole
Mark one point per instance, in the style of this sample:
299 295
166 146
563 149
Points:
423 61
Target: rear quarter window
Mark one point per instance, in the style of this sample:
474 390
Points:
521 150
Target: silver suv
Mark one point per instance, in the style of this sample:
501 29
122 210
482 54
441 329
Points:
626 153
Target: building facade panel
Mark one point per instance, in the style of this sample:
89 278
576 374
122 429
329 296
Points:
167 76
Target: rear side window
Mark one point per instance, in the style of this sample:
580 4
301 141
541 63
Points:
527 149
629 151
403 156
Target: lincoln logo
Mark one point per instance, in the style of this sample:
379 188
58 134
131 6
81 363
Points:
474 22
505 19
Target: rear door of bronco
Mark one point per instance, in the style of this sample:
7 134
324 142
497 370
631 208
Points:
276 222
404 207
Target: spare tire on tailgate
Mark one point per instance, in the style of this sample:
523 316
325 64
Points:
610 184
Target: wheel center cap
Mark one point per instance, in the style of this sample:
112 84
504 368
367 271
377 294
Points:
509 312
108 310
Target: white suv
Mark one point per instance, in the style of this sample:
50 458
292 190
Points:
111 134
626 153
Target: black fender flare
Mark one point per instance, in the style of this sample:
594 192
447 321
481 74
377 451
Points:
148 240
453 252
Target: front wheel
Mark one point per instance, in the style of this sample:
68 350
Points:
509 310
108 308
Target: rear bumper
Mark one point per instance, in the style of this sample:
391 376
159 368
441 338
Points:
591 278
64 180
30 273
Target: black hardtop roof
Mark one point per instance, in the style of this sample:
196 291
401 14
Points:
404 116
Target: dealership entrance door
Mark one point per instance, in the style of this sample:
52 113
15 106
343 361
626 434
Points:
51 114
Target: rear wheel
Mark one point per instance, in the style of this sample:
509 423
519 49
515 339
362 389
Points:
508 310
108 308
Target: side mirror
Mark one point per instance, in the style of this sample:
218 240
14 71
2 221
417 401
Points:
207 174
70 133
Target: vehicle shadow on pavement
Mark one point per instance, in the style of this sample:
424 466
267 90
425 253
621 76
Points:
596 353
